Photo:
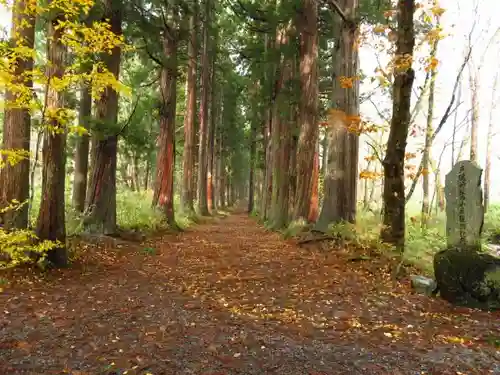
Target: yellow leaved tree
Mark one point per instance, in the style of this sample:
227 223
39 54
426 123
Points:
36 87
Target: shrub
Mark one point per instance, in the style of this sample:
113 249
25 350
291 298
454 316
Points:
134 211
21 247
421 243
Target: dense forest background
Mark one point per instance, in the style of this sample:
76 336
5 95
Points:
167 110
249 187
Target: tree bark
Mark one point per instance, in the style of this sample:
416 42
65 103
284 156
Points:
455 126
251 177
340 183
164 187
218 152
269 79
314 206
308 111
324 153
487 169
461 148
439 190
292 168
147 171
124 176
393 230
425 212
82 150
474 88
229 188
188 180
15 179
130 174
101 194
51 222
280 136
366 190
205 92
211 131
222 173
135 170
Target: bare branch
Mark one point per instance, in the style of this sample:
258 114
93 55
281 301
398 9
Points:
381 115
129 120
448 111
336 7
375 151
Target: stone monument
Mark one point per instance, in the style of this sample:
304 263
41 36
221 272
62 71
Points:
464 205
465 275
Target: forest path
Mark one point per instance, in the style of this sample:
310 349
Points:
229 297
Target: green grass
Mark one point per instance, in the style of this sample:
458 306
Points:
133 212
421 244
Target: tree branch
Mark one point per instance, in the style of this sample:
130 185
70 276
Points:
336 7
445 117
129 120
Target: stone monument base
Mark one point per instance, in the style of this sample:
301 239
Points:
466 277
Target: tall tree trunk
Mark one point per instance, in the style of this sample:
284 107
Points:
314 206
340 183
212 128
428 141
252 177
229 187
474 89
135 171
216 169
267 187
324 153
15 179
188 181
101 194
308 107
147 171
280 134
222 173
90 174
218 152
205 92
322 170
366 190
393 230
439 190
292 168
373 187
455 126
51 223
487 170
124 175
461 148
129 171
349 38
280 182
164 186
269 79
82 150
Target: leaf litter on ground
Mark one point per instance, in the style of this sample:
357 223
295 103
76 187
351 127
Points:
230 297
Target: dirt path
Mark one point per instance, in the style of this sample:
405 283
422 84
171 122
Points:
228 297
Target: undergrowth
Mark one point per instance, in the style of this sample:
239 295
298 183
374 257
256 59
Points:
133 212
421 243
